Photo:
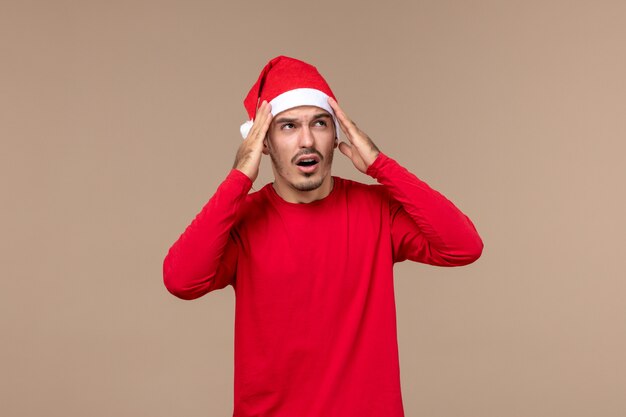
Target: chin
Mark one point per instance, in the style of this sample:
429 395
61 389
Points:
309 184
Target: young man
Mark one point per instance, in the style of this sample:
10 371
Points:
310 256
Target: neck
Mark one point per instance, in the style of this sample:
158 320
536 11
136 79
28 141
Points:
292 195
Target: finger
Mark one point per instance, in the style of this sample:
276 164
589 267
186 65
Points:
345 149
266 118
261 122
346 124
262 112
256 121
341 116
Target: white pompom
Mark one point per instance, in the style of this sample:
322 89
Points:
245 128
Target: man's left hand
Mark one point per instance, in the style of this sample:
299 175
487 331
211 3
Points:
361 149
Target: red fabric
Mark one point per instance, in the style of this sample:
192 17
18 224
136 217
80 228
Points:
283 74
315 318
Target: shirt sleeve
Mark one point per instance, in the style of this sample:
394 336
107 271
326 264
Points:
204 257
425 226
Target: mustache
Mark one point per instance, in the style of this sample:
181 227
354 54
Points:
307 151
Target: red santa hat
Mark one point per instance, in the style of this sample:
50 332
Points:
285 83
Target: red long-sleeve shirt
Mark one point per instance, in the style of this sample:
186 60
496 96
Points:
315 318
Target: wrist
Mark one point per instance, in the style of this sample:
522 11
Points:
375 165
251 174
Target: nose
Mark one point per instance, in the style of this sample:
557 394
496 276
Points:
306 137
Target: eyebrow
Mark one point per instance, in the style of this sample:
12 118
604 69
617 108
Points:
291 120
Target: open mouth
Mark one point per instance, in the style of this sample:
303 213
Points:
307 162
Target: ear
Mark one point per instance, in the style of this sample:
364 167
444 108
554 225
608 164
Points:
336 143
265 150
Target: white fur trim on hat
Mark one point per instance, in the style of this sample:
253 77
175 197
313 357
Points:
295 98
245 128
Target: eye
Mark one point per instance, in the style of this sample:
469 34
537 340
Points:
287 126
320 123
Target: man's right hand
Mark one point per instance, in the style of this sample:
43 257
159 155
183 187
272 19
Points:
250 151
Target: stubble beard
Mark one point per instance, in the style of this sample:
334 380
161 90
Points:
309 184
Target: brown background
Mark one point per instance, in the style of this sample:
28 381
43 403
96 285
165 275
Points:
118 119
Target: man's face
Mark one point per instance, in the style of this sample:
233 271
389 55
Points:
301 143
